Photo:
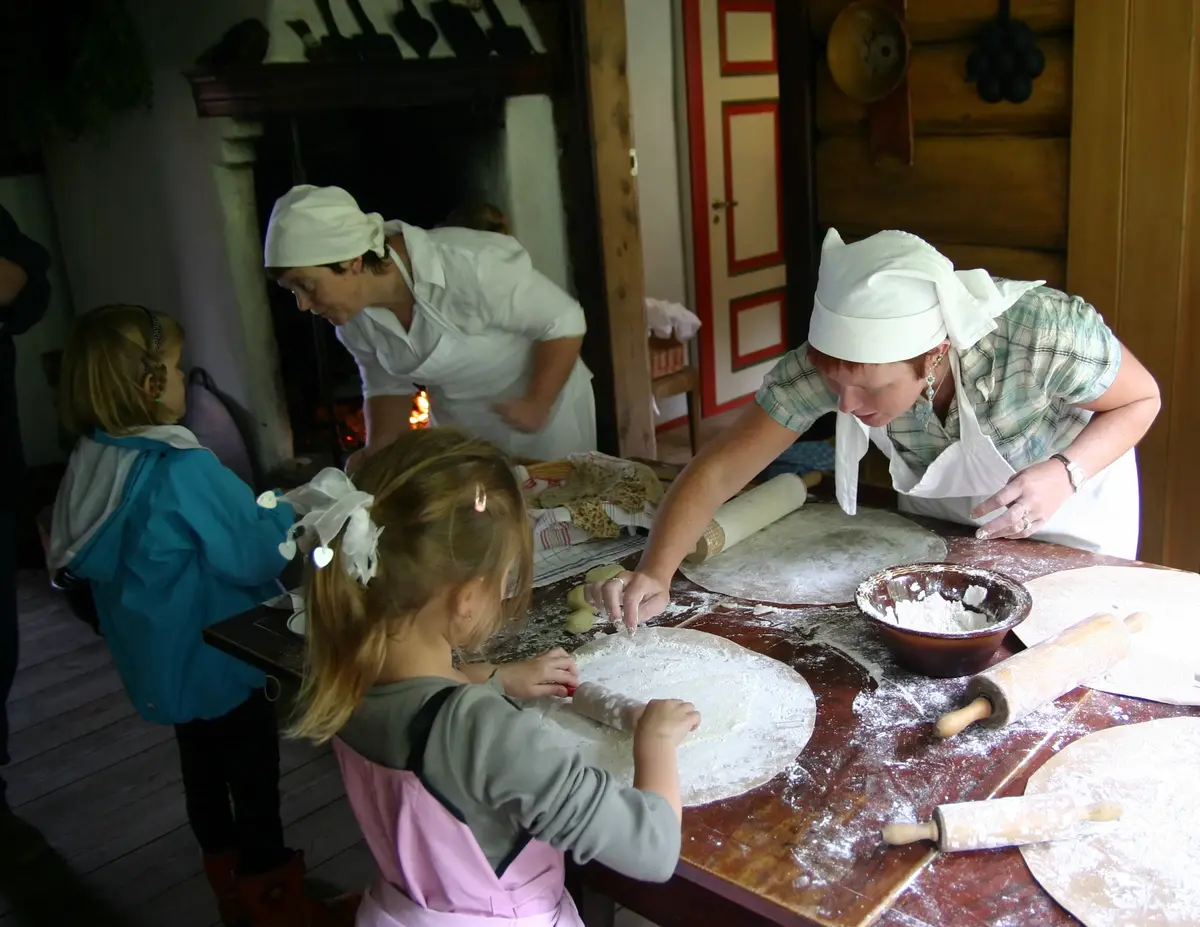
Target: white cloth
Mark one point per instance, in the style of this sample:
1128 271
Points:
892 297
480 307
1103 517
311 226
671 320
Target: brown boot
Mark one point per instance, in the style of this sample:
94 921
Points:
279 899
220 869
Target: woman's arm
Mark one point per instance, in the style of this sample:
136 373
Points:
722 468
1123 414
552 362
386 418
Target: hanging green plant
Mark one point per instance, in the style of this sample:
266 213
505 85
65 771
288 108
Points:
69 67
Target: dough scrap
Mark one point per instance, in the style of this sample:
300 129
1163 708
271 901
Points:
1142 868
580 621
817 555
576 600
1164 656
756 713
604 573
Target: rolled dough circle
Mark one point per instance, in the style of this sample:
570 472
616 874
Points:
1142 868
756 713
817 555
1164 656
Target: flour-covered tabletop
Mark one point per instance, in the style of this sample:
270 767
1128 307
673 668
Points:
804 849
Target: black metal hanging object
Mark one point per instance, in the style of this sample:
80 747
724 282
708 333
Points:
1006 61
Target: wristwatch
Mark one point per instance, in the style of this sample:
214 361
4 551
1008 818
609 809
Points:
1074 471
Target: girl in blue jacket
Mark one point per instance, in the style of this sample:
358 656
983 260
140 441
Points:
171 542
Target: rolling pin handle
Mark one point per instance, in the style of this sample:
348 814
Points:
1136 622
897 834
955 722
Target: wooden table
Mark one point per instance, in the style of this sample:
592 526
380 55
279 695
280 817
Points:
805 849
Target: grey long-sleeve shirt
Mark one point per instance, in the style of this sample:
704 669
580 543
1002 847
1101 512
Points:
506 775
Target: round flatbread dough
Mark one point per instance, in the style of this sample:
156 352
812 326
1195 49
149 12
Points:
815 556
756 713
1164 656
1142 868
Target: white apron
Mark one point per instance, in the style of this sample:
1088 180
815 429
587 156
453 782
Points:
466 375
1103 517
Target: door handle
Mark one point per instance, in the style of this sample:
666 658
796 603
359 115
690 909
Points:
718 204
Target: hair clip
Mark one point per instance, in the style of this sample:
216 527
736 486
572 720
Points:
480 498
156 336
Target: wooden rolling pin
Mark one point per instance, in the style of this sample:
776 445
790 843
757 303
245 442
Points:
607 707
752 511
1003 822
1026 681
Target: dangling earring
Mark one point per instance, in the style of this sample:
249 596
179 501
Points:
925 409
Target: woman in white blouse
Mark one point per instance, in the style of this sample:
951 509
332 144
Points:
459 311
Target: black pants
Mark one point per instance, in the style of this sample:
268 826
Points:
9 635
231 781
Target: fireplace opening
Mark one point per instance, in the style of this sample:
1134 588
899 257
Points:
421 164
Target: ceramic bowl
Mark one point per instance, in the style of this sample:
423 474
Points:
931 653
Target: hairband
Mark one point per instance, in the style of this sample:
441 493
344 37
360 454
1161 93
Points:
156 335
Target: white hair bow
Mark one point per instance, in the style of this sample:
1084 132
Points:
331 505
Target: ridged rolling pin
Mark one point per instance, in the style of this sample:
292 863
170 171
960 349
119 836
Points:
752 511
1026 681
607 707
1003 822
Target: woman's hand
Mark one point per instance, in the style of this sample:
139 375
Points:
1031 497
524 414
633 598
550 674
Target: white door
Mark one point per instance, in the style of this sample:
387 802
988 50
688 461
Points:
737 206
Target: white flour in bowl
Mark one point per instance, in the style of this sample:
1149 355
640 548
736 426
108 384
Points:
939 614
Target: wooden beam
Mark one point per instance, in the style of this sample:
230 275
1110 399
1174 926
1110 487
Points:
945 20
620 236
945 103
1007 192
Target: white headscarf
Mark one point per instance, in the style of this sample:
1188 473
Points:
892 297
311 226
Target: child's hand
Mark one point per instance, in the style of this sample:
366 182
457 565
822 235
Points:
666 722
549 674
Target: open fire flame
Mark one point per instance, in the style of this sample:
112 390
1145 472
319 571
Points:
419 416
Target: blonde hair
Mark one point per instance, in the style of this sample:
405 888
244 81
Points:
110 354
451 511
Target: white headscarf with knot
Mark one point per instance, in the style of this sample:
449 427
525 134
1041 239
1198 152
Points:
311 226
892 297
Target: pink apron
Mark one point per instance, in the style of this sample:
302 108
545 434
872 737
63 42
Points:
433 872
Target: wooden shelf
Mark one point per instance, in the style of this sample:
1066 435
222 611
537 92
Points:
254 91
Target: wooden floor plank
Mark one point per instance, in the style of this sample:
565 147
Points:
84 757
68 666
59 699
69 726
58 632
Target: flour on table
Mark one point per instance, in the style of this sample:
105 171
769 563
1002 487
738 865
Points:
756 713
817 555
941 615
1142 868
1164 656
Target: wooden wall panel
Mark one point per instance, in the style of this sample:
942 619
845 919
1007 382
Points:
945 20
1003 191
944 103
1135 242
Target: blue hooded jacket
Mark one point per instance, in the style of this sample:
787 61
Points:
171 542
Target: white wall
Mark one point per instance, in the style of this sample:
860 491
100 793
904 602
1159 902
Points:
28 200
652 40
